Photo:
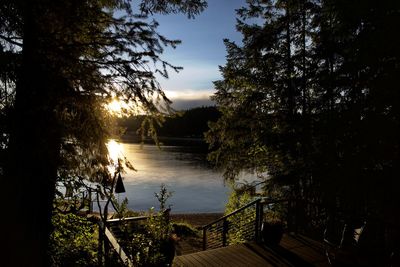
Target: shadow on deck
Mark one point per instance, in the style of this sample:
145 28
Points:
293 250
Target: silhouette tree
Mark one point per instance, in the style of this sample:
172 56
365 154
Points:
311 99
73 57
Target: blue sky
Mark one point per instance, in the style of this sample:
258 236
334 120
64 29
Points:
201 52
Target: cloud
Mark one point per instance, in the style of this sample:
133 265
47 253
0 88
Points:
186 99
193 77
192 86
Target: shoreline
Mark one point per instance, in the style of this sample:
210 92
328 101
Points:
167 141
196 219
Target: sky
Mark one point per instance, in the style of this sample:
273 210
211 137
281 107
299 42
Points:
201 52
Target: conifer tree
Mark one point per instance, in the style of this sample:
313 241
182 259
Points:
74 57
311 100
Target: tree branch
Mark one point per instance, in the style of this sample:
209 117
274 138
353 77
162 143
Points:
10 40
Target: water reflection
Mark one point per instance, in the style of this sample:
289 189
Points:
115 150
196 187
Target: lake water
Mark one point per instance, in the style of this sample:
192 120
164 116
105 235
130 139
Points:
196 186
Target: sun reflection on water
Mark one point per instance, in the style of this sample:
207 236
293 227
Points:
115 151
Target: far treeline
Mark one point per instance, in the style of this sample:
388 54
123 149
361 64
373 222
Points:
311 97
191 123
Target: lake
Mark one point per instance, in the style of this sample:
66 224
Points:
195 185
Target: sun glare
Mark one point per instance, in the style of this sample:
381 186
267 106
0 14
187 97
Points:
116 107
115 150
121 108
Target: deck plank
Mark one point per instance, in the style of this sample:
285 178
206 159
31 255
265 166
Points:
268 254
307 249
247 256
292 251
226 258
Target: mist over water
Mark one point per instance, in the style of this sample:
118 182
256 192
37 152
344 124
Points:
196 186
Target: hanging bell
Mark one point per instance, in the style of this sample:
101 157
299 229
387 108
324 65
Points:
119 187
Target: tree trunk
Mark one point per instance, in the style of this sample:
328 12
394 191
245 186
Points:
34 147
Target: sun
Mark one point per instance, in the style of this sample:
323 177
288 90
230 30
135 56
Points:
124 108
116 107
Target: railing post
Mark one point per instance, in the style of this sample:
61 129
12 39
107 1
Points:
224 232
90 201
258 221
106 247
204 238
100 253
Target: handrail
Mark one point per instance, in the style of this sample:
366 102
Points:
114 243
138 218
251 229
264 202
232 213
117 247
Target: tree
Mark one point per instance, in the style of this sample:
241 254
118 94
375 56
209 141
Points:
265 91
311 99
73 57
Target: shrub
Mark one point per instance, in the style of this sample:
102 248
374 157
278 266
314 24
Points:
73 241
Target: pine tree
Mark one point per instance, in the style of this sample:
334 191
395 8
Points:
311 99
75 56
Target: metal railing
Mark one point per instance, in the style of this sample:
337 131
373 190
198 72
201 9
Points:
119 233
243 224
112 240
116 238
244 221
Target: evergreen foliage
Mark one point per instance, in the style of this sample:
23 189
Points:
239 222
187 123
63 61
311 99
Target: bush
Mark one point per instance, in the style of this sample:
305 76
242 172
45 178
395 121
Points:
153 243
73 242
182 229
241 220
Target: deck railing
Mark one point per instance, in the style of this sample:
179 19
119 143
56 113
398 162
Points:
114 237
243 224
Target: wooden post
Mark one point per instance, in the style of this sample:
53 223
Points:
224 232
204 238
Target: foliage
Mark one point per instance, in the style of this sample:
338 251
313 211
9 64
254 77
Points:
190 123
73 241
150 248
72 58
239 223
183 229
122 210
151 243
163 196
237 199
309 98
187 123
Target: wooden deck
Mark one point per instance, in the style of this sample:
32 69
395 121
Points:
292 251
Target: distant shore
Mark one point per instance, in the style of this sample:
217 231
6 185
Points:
166 140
